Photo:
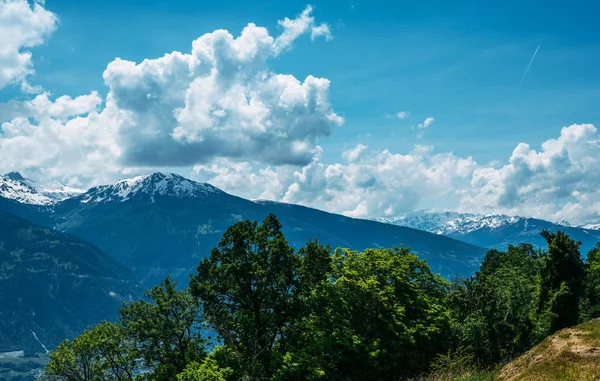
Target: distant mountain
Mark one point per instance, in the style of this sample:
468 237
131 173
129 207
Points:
15 187
591 226
53 285
494 231
164 224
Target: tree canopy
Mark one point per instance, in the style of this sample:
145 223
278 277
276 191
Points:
316 314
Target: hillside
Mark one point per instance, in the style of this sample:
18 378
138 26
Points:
164 224
572 354
53 285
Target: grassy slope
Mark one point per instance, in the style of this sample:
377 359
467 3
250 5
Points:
572 354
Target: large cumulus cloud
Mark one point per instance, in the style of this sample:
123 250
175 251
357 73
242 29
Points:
22 26
221 100
220 114
364 184
65 139
561 181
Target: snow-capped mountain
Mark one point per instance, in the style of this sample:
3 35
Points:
494 231
148 186
451 222
58 192
591 226
14 186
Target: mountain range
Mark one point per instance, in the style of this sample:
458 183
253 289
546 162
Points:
69 257
163 224
494 230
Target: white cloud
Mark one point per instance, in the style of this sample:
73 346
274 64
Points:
373 184
426 123
221 113
79 151
221 100
355 153
218 101
321 30
421 127
402 115
561 181
62 108
21 26
294 28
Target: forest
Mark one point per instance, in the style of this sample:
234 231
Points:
257 309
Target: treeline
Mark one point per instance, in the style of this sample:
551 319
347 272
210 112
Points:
308 314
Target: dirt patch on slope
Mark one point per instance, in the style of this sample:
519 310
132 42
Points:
570 354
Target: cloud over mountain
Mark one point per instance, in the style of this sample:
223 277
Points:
221 113
561 181
219 100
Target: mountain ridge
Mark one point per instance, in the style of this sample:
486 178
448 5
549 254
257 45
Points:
163 224
492 230
15 187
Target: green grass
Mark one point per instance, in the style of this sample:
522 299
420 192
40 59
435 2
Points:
465 375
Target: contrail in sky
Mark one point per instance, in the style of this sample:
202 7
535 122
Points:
528 67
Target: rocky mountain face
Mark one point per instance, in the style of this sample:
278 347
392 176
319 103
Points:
495 231
53 285
164 224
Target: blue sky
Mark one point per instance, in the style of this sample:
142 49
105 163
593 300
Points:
460 63
457 62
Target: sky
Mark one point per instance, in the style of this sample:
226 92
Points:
364 108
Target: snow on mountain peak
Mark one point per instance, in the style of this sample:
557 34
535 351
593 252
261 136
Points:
18 190
162 184
16 187
451 222
591 226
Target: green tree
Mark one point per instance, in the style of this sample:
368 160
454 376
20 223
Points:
254 288
166 329
386 316
100 353
592 282
562 284
494 312
207 370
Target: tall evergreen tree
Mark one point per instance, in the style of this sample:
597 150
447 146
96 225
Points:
562 284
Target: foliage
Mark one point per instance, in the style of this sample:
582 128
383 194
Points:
166 329
308 314
561 281
494 312
385 315
207 370
162 332
592 282
253 288
101 350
